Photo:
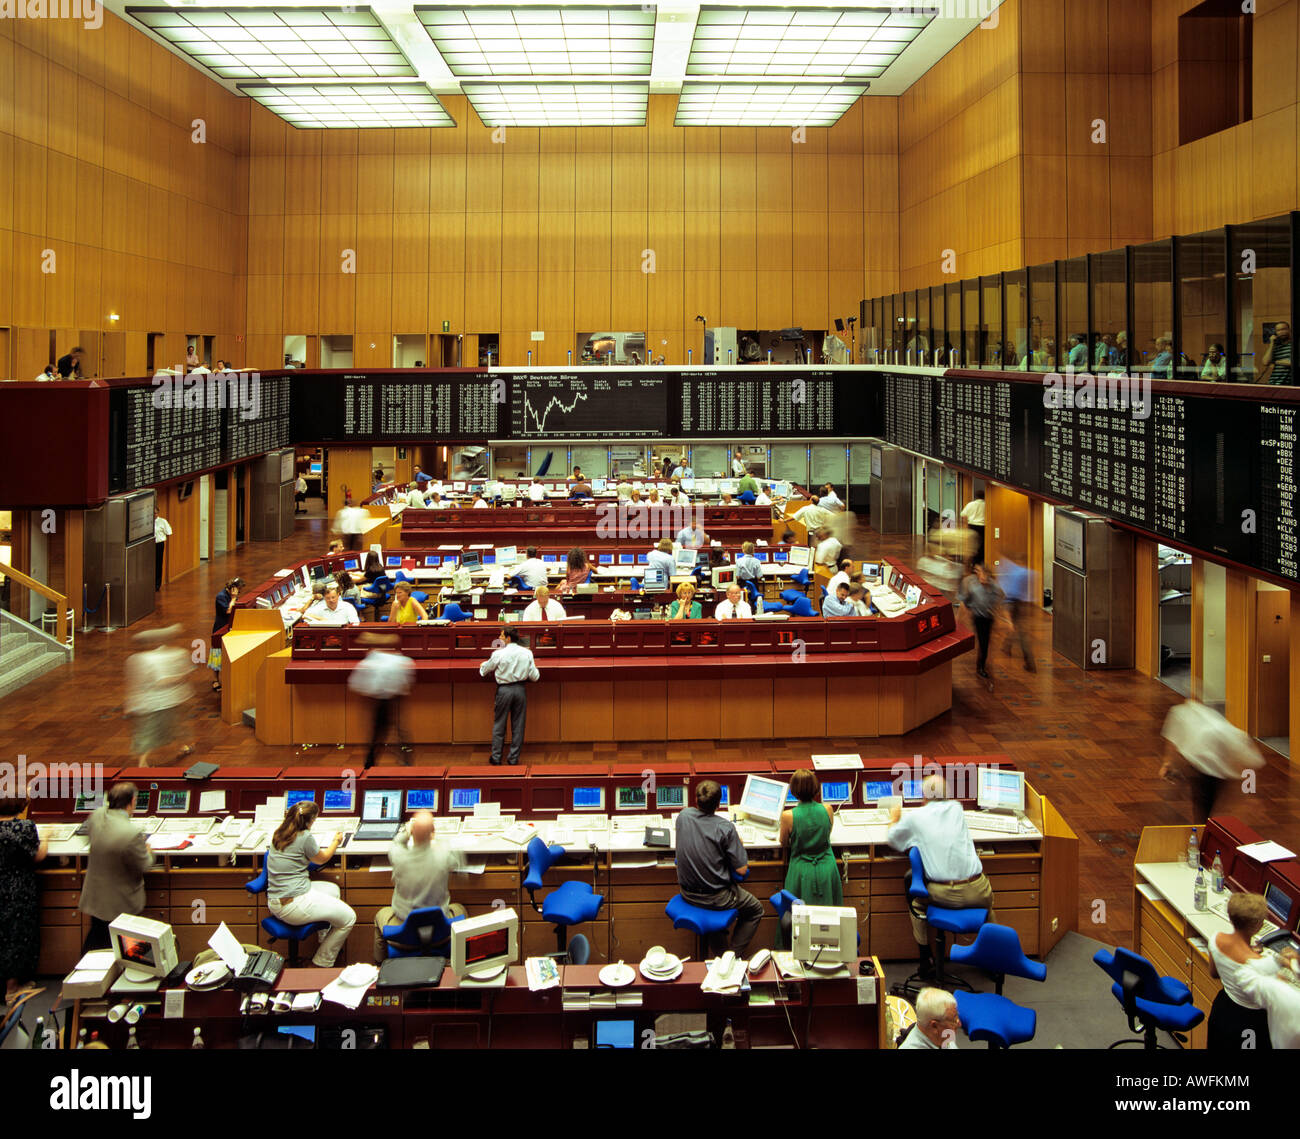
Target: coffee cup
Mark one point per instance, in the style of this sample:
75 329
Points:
117 1012
656 957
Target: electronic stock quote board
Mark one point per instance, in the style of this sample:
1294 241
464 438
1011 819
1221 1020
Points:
591 403
1213 472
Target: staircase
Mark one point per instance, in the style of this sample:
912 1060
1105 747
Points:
25 653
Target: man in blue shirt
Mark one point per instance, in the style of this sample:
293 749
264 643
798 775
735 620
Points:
838 604
1018 585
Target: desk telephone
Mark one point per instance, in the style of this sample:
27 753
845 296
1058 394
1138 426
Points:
255 840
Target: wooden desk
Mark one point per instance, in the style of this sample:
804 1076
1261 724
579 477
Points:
254 635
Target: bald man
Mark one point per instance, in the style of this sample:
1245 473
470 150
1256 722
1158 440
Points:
733 606
542 608
420 865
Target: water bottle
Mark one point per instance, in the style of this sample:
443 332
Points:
131 1040
81 1038
197 1042
760 603
1198 893
1193 851
1216 874
728 1036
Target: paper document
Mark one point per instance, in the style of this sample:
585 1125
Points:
1266 851
212 801
542 973
227 947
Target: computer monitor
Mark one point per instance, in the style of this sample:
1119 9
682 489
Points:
723 576
1279 903
911 789
800 556
422 799
483 946
684 560
627 559
351 563
393 561
835 792
465 798
781 555
471 560
318 468
293 798
630 799
338 802
550 559
173 802
598 486
653 577
671 797
589 798
876 790
762 556
763 799
643 559
142 802
1000 790
432 560
781 490
507 555
725 801
871 569
318 572
912 595
824 937
147 948
381 806
606 559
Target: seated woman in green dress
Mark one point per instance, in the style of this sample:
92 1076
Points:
812 875
685 607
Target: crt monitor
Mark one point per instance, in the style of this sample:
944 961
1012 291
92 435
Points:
606 559
142 801
465 798
835 792
173 802
338 802
293 798
627 559
482 947
630 799
871 569
643 559
317 468
763 799
877 789
671 797
824 937
422 799
597 486
723 576
589 798
1000 790
351 563
393 561
147 948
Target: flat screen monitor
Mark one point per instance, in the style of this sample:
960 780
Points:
465 798
763 799
471 560
627 559
654 577
800 556
589 798
489 559
393 561
1000 790
911 790
318 573
481 947
173 802
432 560
912 595
293 798
670 798
761 556
703 558
781 490
351 563
725 801
338 802
142 802
597 486
1279 903
422 799
876 790
606 559
871 569
782 555
643 559
630 799
318 468
381 806
550 559
835 792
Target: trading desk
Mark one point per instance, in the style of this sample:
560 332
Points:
1033 871
637 680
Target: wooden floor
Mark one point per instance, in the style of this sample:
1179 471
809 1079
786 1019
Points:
1090 741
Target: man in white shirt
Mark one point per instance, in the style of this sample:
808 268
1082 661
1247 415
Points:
661 557
828 548
536 492
542 608
623 491
350 522
436 502
421 864
479 502
414 497
385 677
954 873
830 500
512 666
762 498
738 464
1215 750
157 684
161 532
813 516
937 1022
531 572
300 496
733 606
973 515
692 536
332 609
845 569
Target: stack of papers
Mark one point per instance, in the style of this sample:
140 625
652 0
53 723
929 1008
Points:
350 986
542 973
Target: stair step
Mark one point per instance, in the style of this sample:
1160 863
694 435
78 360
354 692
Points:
12 681
13 658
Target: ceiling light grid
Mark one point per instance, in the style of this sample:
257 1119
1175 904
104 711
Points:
558 104
335 105
281 43
765 104
569 42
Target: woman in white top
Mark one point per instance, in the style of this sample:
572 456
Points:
1238 1014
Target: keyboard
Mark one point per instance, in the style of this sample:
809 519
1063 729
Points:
637 822
984 821
852 817
377 831
186 826
492 824
584 822
330 826
57 832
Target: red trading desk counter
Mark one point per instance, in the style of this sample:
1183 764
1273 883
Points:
637 680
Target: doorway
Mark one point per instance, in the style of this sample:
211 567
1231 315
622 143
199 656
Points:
1175 619
1273 683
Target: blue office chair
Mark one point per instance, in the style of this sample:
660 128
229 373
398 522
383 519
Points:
751 591
424 933
803 577
518 583
578 953
278 930
1149 1000
747 497
781 901
705 924
991 1016
634 585
941 921
800 608
825 593
453 612
570 903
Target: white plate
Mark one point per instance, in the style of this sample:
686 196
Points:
616 976
670 973
217 973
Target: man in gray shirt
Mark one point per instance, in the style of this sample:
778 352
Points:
710 856
420 868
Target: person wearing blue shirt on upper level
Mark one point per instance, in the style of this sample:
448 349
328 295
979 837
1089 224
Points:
748 567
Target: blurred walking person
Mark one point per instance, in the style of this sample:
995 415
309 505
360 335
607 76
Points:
1215 751
157 684
1018 584
982 596
385 676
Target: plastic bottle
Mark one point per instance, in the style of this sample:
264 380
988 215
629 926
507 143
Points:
38 1036
760 603
1198 892
1193 851
132 1041
197 1042
81 1038
728 1036
1216 874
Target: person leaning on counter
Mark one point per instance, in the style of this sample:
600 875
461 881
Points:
542 607
119 856
955 875
332 609
838 603
405 610
531 572
512 666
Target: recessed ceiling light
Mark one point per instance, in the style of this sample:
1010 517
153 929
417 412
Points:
570 41
765 104
283 43
559 104
312 106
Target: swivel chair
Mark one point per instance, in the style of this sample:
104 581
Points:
800 607
747 497
802 578
1149 1000
453 612
781 901
751 592
278 930
991 1016
569 903
941 922
705 924
518 583
422 934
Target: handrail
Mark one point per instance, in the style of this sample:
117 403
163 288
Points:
60 601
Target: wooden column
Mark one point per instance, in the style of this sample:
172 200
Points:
74 561
1146 607
1239 652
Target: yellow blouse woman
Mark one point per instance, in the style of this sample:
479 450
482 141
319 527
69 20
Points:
405 609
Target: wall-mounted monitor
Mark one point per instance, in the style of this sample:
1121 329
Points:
465 798
630 799
671 797
173 802
589 798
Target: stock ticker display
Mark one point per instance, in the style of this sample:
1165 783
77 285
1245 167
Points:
1213 472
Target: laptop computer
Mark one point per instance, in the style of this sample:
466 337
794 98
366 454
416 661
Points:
381 816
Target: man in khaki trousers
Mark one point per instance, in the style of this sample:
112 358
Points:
420 868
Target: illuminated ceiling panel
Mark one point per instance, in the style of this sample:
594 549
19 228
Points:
559 104
765 104
351 105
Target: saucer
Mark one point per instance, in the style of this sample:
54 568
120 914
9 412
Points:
215 974
670 970
616 976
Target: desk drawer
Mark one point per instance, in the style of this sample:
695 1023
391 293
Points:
1173 965
1003 882
1155 932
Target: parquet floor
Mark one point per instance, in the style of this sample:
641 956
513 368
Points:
1090 741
